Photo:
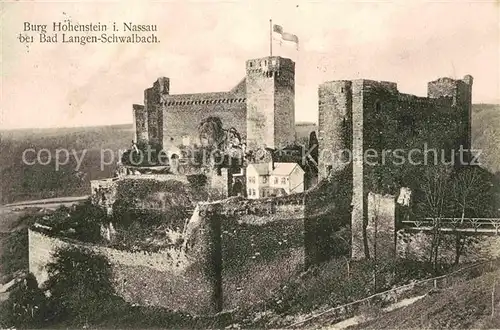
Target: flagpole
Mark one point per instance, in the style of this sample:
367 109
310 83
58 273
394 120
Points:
270 37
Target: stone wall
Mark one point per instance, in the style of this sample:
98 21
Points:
183 114
334 117
234 253
140 119
178 279
259 251
380 119
149 191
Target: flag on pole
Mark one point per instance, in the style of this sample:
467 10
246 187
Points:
285 36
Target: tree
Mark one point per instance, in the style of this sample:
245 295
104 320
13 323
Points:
80 286
26 305
435 205
472 196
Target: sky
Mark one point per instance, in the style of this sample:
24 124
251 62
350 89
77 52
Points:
204 45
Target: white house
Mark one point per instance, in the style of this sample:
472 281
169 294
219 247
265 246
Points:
274 179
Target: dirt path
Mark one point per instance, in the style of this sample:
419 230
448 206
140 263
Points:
364 318
47 201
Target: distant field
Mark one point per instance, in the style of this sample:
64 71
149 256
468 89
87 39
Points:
20 182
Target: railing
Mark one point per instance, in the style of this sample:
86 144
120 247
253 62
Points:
477 225
340 313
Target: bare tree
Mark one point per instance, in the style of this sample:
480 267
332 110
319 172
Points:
471 192
435 186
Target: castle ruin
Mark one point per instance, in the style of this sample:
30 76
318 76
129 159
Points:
362 115
261 108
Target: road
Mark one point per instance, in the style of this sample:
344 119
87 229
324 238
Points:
49 203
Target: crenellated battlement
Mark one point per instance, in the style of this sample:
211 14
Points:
270 66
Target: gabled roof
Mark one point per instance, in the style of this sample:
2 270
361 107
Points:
279 168
284 168
261 169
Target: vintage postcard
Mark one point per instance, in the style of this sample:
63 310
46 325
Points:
250 164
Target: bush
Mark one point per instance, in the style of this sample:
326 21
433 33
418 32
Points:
80 287
15 253
26 306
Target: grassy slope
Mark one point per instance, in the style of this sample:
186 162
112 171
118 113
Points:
464 306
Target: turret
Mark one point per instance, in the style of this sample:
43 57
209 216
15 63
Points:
335 106
460 91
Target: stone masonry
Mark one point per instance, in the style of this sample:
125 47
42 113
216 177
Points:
363 114
261 107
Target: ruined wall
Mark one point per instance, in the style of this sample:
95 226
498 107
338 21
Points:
183 114
153 100
235 252
141 192
335 120
174 117
260 251
181 279
140 117
379 121
460 92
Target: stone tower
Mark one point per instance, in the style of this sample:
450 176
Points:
461 93
140 124
153 106
334 122
270 84
340 139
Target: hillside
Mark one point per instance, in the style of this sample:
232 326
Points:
20 181
465 306
486 134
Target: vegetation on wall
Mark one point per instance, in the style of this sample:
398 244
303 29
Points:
328 215
81 222
244 243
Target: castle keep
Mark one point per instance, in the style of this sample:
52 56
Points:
261 108
360 115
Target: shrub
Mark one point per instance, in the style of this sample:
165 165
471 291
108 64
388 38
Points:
80 287
26 306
